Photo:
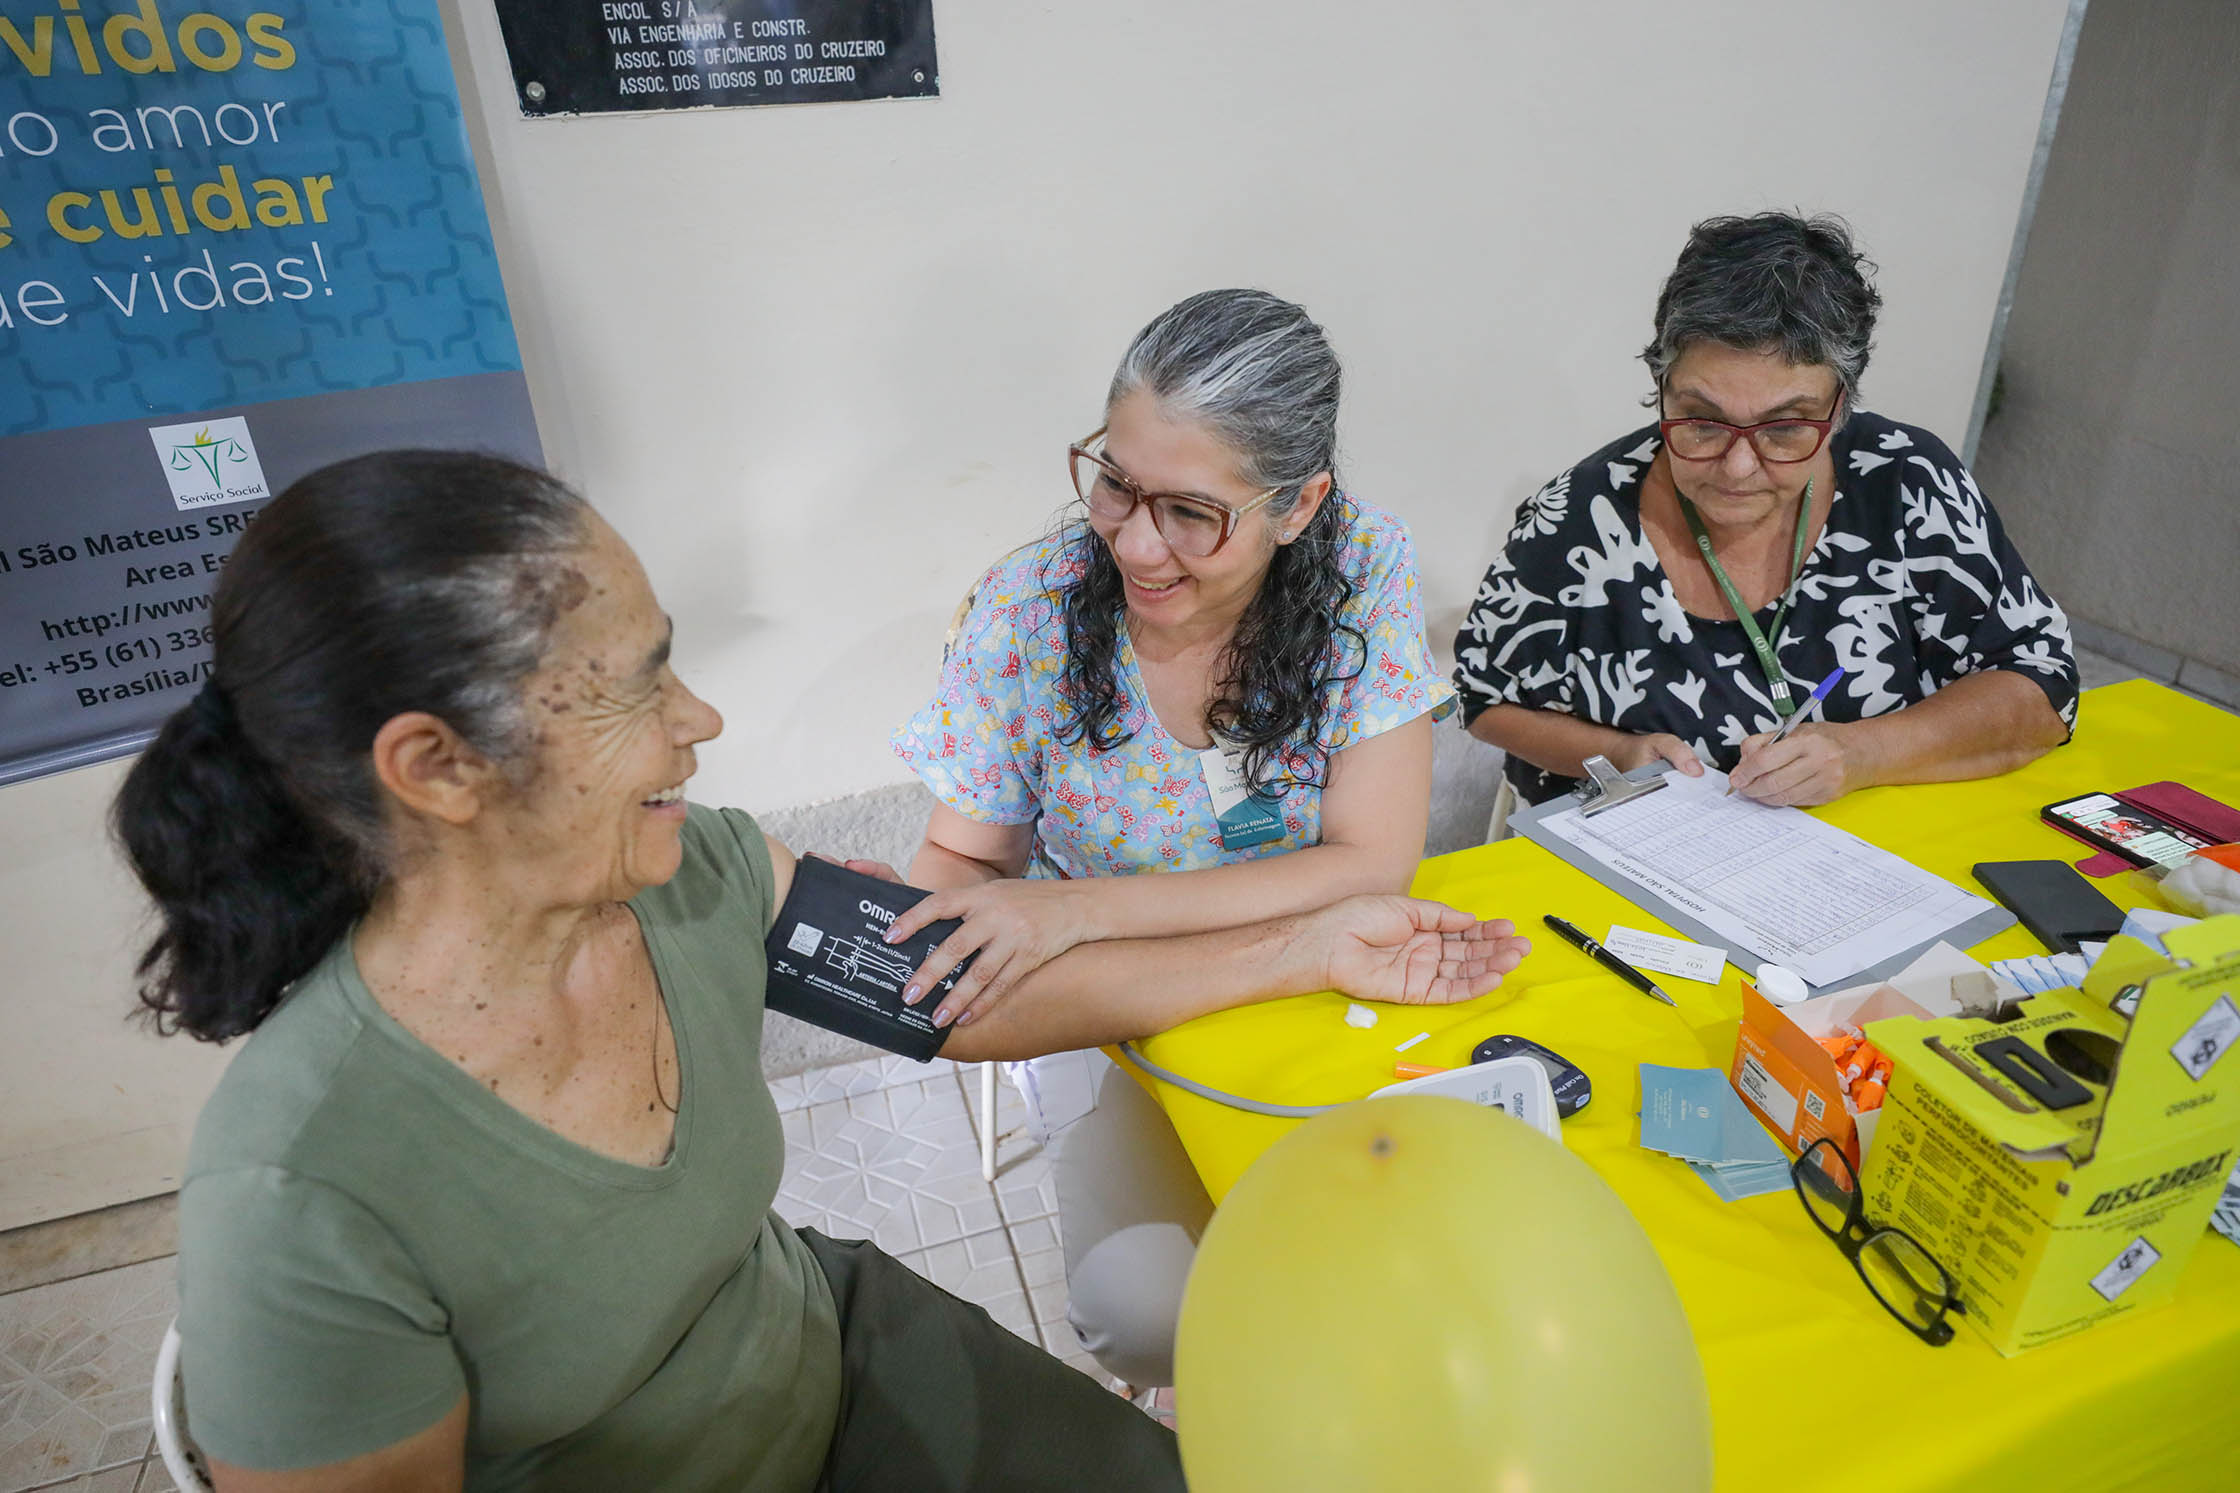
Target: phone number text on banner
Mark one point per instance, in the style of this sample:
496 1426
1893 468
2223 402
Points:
238 239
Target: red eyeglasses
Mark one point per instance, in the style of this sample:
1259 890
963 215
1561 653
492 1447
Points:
1191 526
1779 442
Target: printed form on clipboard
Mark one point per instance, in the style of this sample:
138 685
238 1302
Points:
1787 887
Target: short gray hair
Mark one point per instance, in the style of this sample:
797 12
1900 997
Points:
1256 371
1773 282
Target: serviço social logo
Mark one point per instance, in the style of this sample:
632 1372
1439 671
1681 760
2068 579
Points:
209 462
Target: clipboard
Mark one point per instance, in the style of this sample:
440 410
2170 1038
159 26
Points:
1529 821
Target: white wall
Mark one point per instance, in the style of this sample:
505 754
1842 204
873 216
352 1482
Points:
93 1110
820 364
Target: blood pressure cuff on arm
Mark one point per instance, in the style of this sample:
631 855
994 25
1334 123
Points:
831 966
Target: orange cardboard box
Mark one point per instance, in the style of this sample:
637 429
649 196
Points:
1787 1078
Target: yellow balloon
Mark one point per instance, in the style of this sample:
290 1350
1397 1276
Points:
1420 1294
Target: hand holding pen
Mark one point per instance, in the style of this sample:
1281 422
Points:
1809 767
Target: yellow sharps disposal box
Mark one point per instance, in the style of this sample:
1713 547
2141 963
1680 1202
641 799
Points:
2062 1164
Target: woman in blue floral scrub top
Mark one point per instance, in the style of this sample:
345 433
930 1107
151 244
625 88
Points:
990 746
1219 670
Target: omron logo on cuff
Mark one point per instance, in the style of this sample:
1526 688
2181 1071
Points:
831 966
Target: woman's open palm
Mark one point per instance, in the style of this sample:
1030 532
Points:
1413 952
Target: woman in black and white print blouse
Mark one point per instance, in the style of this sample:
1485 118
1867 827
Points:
1609 624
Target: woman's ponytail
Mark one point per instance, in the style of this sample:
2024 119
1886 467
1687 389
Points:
249 895
394 582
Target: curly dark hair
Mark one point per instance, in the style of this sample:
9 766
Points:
1260 375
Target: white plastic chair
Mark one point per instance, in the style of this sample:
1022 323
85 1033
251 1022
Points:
1504 804
987 1122
987 1070
181 1457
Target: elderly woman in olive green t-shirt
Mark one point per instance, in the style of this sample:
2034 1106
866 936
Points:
485 1202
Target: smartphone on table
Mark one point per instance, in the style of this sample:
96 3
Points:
2056 904
2138 835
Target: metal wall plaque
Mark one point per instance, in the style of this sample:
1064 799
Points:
613 56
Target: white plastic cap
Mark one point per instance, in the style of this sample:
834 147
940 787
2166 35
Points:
1784 987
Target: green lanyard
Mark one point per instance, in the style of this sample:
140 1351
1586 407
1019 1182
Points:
1776 682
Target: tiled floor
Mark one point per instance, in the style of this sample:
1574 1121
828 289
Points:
886 1150
75 1361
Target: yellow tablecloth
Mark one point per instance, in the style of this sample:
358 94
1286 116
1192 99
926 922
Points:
1811 1384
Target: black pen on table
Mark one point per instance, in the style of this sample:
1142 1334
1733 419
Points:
1602 956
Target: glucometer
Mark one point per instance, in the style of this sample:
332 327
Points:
1570 1084
831 966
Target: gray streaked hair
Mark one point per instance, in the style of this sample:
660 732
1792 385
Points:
1258 374
1256 371
1773 282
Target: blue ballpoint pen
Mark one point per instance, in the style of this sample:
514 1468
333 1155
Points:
1819 693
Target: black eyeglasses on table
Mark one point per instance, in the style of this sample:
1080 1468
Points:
1902 1274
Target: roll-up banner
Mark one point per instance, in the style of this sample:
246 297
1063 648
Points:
239 239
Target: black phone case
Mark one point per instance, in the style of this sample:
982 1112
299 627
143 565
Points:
2056 904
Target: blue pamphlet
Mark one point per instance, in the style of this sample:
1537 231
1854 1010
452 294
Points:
1694 1115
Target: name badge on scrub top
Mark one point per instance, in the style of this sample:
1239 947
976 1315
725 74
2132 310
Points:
1245 817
